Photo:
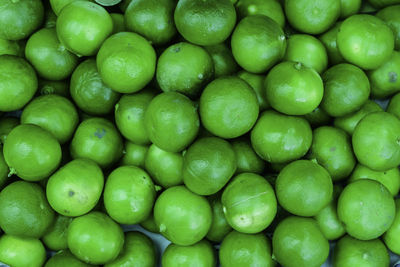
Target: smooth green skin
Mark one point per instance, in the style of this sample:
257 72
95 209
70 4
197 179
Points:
31 152
14 48
171 121
219 225
224 63
331 147
385 80
366 208
95 238
56 236
258 43
50 58
138 251
279 138
299 242
312 17
208 164
119 55
293 88
349 122
54 87
393 107
349 7
304 188
134 154
389 178
365 40
149 224
269 8
328 39
21 252
99 140
228 107
381 131
182 216
3 169
184 68
24 210
247 159
207 22
6 126
201 254
330 225
75 188
152 19
346 89
239 249
256 81
89 92
18 82
118 22
58 5
307 50
318 117
82 27
350 252
391 236
65 258
390 16
383 3
54 113
129 195
166 168
249 203
19 19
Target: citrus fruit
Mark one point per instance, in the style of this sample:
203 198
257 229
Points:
47 87
269 8
118 22
349 7
55 237
318 117
224 63
256 81
382 3
391 236
201 254
6 126
393 107
329 39
149 224
134 154
20 251
219 226
247 159
65 258
390 16
58 5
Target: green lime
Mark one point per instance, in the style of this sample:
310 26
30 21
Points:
366 208
391 237
166 168
219 225
393 107
118 22
21 252
365 40
299 242
58 5
119 55
153 19
31 152
318 117
224 63
206 22
390 16
18 82
20 18
82 27
269 8
208 164
383 3
89 92
13 48
171 121
182 216
138 251
201 254
293 88
380 131
95 238
99 140
258 43
256 81
312 17
349 7
328 39
24 210
47 87
129 195
346 88
6 126
54 113
228 107
107 3
134 154
149 224
351 252
246 158
249 203
331 147
50 18
3 169
75 188
65 258
239 249
279 138
56 236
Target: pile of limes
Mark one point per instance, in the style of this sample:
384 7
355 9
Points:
245 132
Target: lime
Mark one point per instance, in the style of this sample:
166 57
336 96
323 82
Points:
75 188
201 254
3 169
138 251
118 22
134 154
24 210
65 258
89 92
50 18
391 237
21 252
328 39
258 43
6 126
246 158
366 208
149 224
269 8
47 87
56 236
390 16
82 27
219 226
171 121
349 7
108 2
182 216
393 107
58 5
318 117
18 82
256 81
228 107
382 3
13 48
293 88
224 63
119 55
95 238
365 40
